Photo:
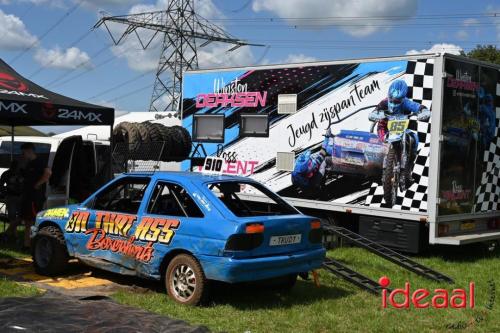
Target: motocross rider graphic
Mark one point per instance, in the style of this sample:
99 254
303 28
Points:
397 105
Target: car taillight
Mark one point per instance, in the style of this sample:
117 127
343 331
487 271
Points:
244 242
316 233
315 224
254 228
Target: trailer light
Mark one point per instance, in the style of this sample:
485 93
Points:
315 224
254 228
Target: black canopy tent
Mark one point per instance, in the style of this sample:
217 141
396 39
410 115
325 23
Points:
24 103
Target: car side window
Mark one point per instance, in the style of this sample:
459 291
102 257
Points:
123 196
172 200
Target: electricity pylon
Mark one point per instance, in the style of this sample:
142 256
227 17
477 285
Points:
180 29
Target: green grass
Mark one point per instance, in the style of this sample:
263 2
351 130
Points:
338 306
14 289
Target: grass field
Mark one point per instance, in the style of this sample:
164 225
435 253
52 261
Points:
340 307
336 306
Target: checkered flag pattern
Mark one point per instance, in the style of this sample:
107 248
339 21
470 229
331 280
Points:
419 77
488 193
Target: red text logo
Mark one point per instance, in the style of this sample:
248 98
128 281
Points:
421 298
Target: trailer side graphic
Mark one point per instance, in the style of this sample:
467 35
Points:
335 137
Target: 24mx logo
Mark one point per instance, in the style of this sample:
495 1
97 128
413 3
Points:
13 107
79 115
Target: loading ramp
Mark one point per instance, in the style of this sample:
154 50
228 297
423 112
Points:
361 280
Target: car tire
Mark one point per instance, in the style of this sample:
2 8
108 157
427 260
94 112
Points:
154 133
185 280
50 255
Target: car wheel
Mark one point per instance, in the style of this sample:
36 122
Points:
50 255
185 280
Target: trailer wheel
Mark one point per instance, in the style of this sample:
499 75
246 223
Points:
185 280
389 182
50 255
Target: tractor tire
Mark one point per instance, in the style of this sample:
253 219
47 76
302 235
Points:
128 134
50 255
388 177
154 133
143 132
185 281
167 142
185 138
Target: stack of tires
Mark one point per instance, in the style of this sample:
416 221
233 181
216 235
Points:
152 141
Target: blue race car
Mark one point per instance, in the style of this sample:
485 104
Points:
185 228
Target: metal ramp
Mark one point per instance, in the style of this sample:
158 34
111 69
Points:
353 277
388 254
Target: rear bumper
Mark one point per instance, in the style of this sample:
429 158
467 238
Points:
240 270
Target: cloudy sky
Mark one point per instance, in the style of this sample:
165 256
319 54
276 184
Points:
51 41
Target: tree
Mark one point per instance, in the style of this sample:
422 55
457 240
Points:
488 53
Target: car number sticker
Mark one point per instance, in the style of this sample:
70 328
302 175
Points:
285 240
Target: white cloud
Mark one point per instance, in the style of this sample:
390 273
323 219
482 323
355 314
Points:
63 59
438 48
295 58
352 14
13 32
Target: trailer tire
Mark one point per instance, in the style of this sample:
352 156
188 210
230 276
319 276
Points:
50 255
388 175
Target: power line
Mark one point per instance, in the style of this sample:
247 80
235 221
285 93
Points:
130 93
135 78
51 28
369 18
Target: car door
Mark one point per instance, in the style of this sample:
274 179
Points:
169 208
102 228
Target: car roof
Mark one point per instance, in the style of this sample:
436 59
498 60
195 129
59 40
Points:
196 177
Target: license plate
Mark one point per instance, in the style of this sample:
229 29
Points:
467 226
285 240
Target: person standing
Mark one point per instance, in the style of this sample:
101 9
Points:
36 174
11 182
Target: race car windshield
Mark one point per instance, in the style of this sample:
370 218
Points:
236 197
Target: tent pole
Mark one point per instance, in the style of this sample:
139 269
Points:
12 143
